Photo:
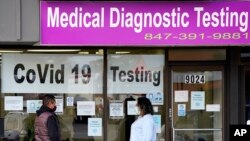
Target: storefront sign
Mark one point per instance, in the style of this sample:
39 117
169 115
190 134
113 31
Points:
52 73
145 23
135 74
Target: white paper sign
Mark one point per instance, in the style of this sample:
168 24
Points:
59 104
116 109
85 108
213 107
94 127
70 101
135 73
13 103
52 73
181 96
197 100
33 105
131 106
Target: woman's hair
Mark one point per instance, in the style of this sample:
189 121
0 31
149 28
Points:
145 105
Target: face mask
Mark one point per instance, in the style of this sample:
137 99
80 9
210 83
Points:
137 110
54 109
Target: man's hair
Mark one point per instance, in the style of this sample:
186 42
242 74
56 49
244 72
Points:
145 105
48 98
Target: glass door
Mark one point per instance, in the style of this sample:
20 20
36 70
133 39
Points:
197 103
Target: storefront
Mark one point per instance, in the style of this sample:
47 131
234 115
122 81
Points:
191 59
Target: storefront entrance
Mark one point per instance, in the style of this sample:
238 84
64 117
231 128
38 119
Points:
197 103
188 100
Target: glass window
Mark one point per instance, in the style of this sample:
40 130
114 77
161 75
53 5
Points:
133 74
74 78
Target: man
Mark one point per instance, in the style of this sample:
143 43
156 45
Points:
46 122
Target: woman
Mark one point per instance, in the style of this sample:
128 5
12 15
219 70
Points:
143 129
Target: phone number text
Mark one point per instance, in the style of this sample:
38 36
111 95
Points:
194 36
